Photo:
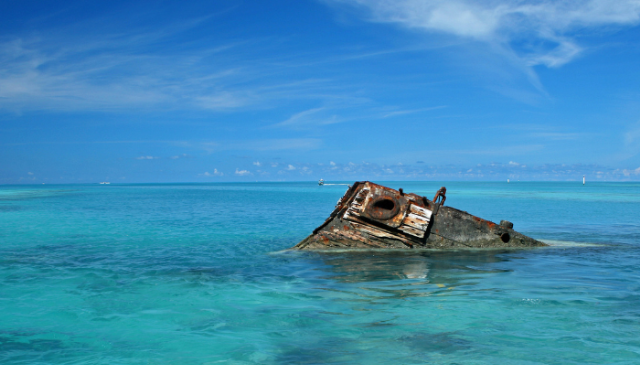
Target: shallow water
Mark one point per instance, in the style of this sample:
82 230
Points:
197 274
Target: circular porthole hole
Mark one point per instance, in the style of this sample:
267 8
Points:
384 204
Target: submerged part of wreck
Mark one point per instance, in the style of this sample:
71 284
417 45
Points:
373 216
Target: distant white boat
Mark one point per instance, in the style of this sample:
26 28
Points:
584 180
105 183
321 182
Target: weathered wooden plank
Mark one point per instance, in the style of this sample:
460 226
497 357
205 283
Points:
350 215
412 231
377 232
355 208
374 231
359 238
361 196
420 211
416 221
336 236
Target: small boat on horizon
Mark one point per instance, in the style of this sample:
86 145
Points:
105 183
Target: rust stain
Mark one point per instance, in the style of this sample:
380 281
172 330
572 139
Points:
484 221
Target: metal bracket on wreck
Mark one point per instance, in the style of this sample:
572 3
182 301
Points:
372 216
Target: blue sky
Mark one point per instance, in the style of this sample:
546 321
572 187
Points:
201 91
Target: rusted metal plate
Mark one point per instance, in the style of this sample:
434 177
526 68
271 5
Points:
379 204
373 216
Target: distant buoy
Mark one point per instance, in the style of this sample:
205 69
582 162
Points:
583 180
507 181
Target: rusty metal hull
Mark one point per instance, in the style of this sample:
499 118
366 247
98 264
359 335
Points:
371 216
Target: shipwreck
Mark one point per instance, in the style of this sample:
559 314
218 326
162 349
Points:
371 216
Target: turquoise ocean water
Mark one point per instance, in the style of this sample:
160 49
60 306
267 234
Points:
197 274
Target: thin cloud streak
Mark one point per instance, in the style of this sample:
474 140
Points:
630 143
103 75
505 23
522 34
304 117
557 136
410 111
276 144
111 73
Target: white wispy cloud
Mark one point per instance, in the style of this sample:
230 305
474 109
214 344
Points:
630 142
214 173
269 144
66 73
539 32
632 136
628 173
275 144
557 136
242 172
311 118
396 113
123 69
147 158
223 100
301 117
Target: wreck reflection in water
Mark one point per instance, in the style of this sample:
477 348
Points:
418 306
392 265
